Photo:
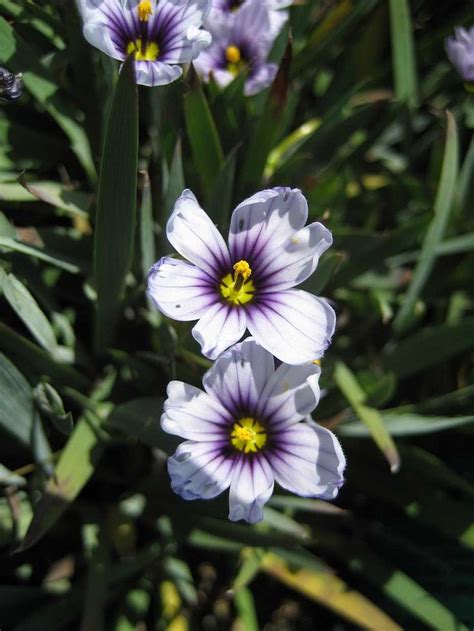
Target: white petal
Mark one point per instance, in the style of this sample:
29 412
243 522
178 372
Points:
193 414
200 470
251 488
220 327
265 221
98 35
180 290
154 73
308 460
290 395
296 259
238 376
293 325
195 237
260 79
194 12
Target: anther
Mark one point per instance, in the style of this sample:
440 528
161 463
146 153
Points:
144 10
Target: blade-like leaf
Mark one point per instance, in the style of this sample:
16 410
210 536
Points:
403 53
116 204
28 310
203 136
442 209
371 417
330 591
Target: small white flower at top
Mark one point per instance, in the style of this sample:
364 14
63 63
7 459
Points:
159 34
460 50
250 283
241 42
248 430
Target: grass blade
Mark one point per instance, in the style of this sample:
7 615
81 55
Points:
116 206
203 137
442 210
403 53
371 417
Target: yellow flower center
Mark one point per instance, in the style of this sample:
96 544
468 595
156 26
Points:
143 51
235 63
248 435
237 288
144 10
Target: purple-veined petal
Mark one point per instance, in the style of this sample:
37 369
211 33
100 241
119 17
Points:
260 79
180 290
98 36
195 237
308 460
290 395
251 487
192 414
221 326
238 376
200 470
296 260
293 325
265 221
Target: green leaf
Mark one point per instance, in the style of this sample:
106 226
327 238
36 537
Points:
147 233
219 206
35 362
17 414
325 588
50 403
27 309
175 183
73 203
267 129
371 417
245 605
116 204
203 137
76 465
408 424
394 583
140 419
37 253
429 347
403 53
20 57
435 233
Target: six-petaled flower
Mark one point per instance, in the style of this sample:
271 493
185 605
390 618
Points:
249 284
239 44
247 430
159 34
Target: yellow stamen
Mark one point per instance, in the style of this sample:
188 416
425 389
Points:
317 362
149 52
248 435
232 54
238 289
144 10
242 268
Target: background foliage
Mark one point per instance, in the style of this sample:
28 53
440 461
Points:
374 125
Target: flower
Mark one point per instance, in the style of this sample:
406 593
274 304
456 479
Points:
159 33
11 86
241 43
247 430
460 50
250 283
225 10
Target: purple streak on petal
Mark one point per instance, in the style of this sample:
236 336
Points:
251 488
239 376
200 470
